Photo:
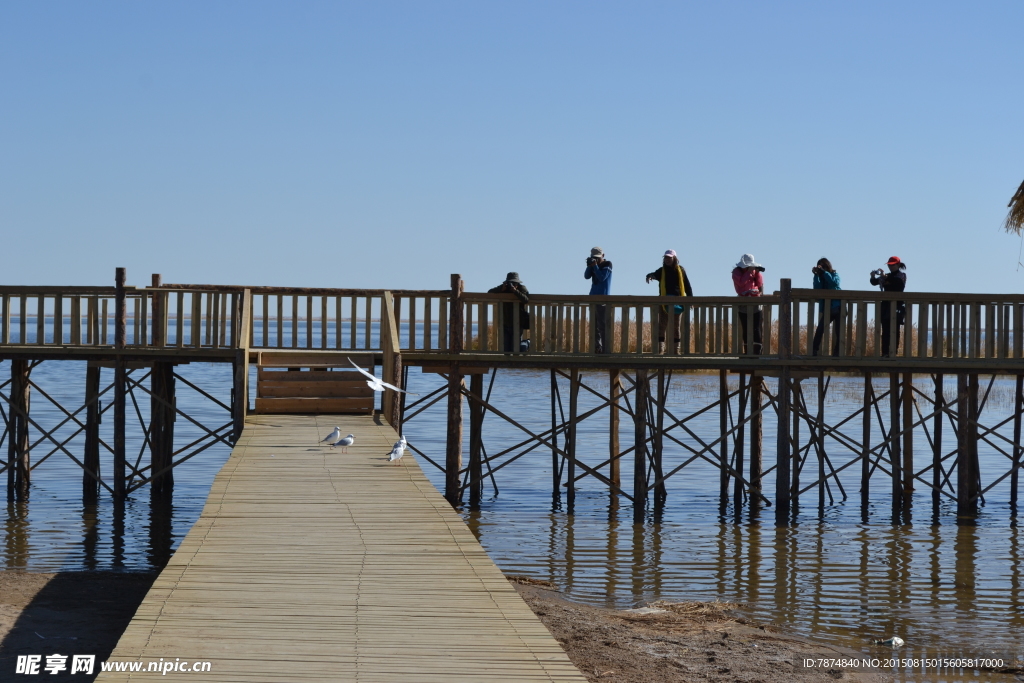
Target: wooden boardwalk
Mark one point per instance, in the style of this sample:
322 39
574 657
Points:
311 564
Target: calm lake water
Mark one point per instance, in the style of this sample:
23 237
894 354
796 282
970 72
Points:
941 587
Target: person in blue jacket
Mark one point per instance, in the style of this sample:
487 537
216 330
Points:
826 277
599 272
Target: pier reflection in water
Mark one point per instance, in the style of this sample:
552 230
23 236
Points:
940 586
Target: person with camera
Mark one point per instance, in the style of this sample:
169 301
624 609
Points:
513 285
599 272
748 281
672 281
893 281
826 277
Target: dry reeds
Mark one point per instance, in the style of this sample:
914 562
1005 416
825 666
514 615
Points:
1015 217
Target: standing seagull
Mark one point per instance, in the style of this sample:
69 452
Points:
397 451
333 436
376 384
344 443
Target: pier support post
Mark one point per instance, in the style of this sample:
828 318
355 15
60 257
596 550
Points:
1018 406
820 443
120 383
796 402
570 440
723 446
19 460
660 492
614 391
476 424
756 435
161 426
640 448
556 472
91 457
963 468
908 442
865 448
453 450
940 405
782 444
894 447
739 441
967 470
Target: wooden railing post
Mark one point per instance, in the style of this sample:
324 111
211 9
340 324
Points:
120 382
159 313
453 451
240 391
392 359
782 446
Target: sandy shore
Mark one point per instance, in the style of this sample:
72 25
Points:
65 613
676 643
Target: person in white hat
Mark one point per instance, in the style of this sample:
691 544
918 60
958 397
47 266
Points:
748 281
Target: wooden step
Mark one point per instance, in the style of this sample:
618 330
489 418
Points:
319 406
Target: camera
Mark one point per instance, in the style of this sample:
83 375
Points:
591 260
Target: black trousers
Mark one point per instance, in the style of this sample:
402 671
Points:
758 329
833 320
599 329
900 317
511 345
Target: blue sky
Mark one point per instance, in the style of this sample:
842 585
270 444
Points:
390 144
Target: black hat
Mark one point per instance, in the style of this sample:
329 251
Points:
513 277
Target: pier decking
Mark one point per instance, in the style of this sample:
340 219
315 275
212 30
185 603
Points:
312 564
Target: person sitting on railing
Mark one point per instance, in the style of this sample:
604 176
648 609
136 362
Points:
599 271
826 277
748 281
672 281
513 285
893 281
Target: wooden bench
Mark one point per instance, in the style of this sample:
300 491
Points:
307 383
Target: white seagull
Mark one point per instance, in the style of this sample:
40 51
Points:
397 451
376 384
333 436
344 443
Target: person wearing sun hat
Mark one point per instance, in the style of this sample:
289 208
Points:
513 285
672 281
748 282
893 281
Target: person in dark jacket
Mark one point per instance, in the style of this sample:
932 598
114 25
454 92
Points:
599 272
826 277
513 285
893 281
672 281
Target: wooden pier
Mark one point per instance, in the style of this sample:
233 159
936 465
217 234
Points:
947 339
309 564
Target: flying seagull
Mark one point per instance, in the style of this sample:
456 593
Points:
333 436
376 384
397 451
344 443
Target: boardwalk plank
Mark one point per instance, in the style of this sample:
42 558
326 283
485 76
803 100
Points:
317 565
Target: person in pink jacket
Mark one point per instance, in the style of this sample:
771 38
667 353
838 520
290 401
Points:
748 281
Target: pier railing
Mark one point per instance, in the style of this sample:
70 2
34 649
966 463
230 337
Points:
624 325
84 316
932 325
